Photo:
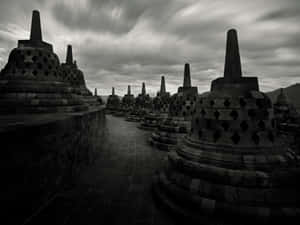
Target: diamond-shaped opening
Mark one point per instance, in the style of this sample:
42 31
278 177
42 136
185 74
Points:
255 138
261 125
271 136
217 114
225 125
28 52
197 121
40 66
200 101
208 124
217 135
199 133
260 103
234 114
27 65
212 102
251 113
34 58
236 138
203 112
188 107
244 126
242 102
273 123
226 103
184 113
35 72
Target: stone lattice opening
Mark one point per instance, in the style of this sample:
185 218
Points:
234 114
235 138
244 126
226 103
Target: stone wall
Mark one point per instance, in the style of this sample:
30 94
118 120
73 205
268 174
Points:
42 153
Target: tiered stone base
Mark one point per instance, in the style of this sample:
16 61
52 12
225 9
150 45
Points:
133 118
168 133
119 113
165 141
150 122
26 96
213 187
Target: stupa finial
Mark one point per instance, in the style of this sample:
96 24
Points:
233 68
36 31
187 76
143 89
162 85
128 90
113 91
96 94
69 58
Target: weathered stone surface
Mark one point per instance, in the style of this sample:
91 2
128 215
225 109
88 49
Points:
113 103
33 68
230 168
181 107
43 153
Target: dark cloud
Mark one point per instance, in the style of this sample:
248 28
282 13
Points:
121 42
282 14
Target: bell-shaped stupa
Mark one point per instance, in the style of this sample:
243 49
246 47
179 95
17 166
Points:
74 76
32 81
113 102
128 101
180 114
232 168
160 109
142 106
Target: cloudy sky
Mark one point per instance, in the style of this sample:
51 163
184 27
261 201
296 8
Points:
121 42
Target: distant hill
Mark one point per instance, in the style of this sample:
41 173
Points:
292 92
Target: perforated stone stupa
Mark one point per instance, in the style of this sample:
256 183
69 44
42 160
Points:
128 101
177 124
142 106
160 109
232 168
284 111
32 80
113 103
74 76
99 99
162 100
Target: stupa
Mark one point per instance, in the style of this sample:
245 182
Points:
32 81
113 102
74 76
99 99
284 111
232 168
128 102
142 106
178 122
160 109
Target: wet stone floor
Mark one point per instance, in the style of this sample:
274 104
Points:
116 189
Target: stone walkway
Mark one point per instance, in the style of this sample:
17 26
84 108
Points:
117 188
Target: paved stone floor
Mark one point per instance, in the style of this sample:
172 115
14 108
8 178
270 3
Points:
117 188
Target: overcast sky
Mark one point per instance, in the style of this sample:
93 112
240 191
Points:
121 42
